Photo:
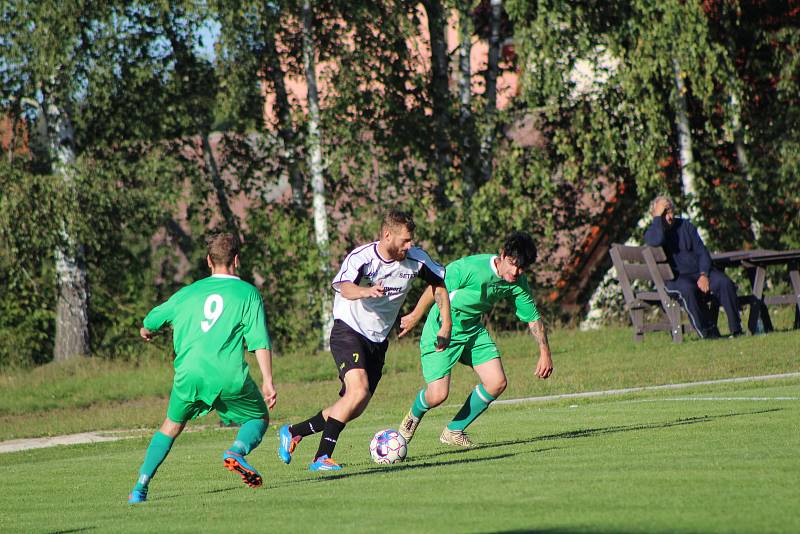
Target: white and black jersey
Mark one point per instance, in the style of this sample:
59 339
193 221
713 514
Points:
373 317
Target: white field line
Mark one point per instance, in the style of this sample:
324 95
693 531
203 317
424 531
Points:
717 399
38 443
625 391
25 444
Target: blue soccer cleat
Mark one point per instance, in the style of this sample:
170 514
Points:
287 444
235 462
324 463
137 496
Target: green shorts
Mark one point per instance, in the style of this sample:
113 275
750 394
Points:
476 349
238 408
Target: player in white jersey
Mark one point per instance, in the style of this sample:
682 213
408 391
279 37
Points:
370 289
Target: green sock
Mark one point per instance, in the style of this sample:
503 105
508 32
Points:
249 436
420 407
156 452
476 404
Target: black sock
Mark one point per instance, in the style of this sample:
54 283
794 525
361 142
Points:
309 426
329 437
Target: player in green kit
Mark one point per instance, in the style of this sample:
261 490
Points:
211 320
475 284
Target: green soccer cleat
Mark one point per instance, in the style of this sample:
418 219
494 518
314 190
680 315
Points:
235 462
458 438
408 426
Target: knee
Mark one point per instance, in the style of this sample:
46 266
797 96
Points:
496 387
725 285
171 428
720 280
436 396
358 395
687 289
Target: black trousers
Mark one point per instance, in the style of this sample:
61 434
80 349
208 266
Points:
722 293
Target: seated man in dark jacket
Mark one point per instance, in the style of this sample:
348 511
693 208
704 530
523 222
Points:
691 263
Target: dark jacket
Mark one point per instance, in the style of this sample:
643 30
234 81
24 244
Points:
686 253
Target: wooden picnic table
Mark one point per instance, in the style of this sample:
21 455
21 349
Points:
755 262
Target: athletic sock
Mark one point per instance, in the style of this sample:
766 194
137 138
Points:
309 426
420 407
249 436
476 404
329 436
156 452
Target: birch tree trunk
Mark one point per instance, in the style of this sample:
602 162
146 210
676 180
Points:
315 165
72 306
487 143
686 159
742 159
439 95
465 118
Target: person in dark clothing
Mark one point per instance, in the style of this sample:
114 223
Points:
691 263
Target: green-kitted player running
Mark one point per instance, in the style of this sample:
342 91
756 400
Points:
475 284
211 320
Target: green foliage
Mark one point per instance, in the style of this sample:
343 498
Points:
117 203
143 101
28 235
739 66
285 262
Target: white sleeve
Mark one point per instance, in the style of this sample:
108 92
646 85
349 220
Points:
351 267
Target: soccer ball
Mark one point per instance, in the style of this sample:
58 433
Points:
387 447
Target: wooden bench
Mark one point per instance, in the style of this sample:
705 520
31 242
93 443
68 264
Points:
648 264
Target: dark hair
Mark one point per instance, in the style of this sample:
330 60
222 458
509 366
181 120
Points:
520 247
222 247
394 218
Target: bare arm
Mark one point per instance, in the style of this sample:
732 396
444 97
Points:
431 294
351 291
408 322
264 358
442 299
544 367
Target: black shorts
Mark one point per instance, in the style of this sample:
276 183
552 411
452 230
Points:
351 350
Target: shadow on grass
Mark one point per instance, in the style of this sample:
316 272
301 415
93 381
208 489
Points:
223 490
84 529
416 464
429 460
589 432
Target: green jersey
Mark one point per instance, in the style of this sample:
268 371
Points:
475 287
211 320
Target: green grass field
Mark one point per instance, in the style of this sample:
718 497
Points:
713 458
